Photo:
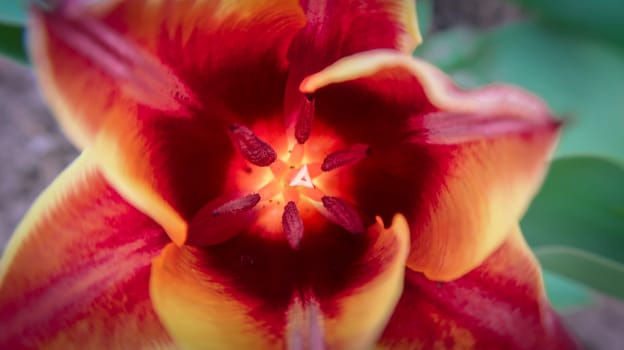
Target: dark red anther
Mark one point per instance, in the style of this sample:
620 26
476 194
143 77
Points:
237 205
252 147
292 224
343 214
343 157
303 127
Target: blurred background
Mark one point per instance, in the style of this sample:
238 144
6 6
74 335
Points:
569 52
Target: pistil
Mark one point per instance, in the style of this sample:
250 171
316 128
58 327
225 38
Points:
291 179
302 178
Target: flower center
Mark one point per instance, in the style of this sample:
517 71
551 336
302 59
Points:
287 176
302 178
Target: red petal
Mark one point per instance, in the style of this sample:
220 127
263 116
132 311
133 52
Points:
461 165
91 56
76 272
155 87
499 305
336 29
168 168
257 293
212 224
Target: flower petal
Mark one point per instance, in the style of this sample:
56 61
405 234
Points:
482 187
336 29
172 56
142 157
164 80
462 166
77 270
360 26
499 305
258 293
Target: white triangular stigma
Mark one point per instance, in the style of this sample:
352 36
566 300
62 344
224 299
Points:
302 178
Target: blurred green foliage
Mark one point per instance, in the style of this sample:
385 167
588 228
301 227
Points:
602 19
424 9
12 17
581 80
11 42
13 12
565 293
602 274
580 206
576 223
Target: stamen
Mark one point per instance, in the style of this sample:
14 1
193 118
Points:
252 148
343 214
344 157
303 127
237 205
292 224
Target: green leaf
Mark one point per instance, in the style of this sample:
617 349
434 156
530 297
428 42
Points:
452 48
12 43
564 293
580 79
13 12
454 51
424 9
580 206
601 274
602 18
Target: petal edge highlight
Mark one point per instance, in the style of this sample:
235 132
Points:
200 303
485 154
77 269
501 304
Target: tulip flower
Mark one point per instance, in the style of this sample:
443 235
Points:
274 174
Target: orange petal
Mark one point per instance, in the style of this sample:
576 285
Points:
170 55
461 165
499 305
336 290
381 71
484 186
76 272
166 168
